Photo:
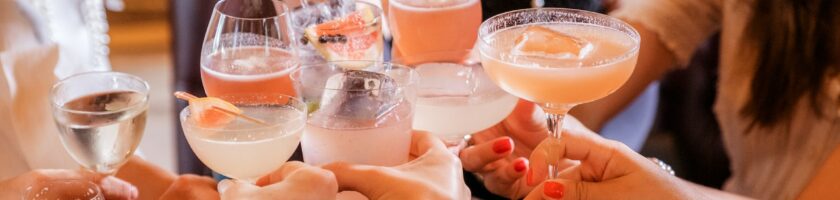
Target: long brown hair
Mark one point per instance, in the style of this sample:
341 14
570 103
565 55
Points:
797 48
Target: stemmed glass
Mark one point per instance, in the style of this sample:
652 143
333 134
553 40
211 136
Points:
593 55
248 50
101 117
243 149
455 97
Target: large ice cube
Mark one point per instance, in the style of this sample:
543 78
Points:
445 80
544 43
359 97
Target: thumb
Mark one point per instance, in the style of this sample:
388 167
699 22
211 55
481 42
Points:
570 189
232 189
372 181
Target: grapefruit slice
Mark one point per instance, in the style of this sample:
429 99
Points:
355 36
201 110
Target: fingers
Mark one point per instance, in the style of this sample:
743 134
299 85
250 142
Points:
477 157
422 141
507 180
233 189
277 175
369 180
590 149
527 124
569 189
111 187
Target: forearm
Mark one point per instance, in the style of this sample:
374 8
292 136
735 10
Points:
654 61
711 193
149 179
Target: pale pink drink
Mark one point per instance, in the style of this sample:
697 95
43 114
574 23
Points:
248 70
558 58
426 26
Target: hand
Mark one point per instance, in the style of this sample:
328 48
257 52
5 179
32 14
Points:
294 180
434 174
498 153
191 187
607 170
111 187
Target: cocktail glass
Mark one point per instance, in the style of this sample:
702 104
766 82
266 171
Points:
75 189
558 58
420 27
336 30
245 150
455 97
101 117
247 50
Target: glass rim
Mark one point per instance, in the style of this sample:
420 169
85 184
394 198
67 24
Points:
333 64
183 115
456 6
377 16
143 102
222 14
634 34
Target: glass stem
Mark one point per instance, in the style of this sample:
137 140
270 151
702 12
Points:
554 119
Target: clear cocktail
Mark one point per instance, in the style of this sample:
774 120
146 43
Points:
558 58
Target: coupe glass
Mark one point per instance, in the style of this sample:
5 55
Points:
557 81
455 97
248 50
246 150
101 117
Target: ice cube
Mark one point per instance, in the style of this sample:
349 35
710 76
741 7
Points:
445 80
361 97
544 43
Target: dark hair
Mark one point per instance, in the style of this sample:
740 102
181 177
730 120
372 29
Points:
797 50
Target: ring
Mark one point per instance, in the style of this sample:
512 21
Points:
664 166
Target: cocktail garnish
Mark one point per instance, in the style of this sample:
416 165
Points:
213 112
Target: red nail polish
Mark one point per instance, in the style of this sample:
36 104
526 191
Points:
520 166
502 146
530 178
553 189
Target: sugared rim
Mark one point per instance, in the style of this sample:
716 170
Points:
601 63
58 106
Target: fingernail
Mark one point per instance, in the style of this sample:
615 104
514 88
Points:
530 178
520 166
134 193
223 185
502 146
553 189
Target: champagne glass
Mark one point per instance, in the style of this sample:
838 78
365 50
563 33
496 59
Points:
101 117
248 50
243 149
558 58
455 97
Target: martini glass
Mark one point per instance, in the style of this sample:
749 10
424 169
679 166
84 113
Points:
558 58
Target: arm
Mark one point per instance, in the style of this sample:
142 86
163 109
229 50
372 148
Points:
654 61
824 183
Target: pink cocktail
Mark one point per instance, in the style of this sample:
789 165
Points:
422 27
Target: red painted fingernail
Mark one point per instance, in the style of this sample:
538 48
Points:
520 166
502 146
553 189
530 178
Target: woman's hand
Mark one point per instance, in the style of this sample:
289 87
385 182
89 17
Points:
191 187
434 174
498 153
294 180
607 170
111 187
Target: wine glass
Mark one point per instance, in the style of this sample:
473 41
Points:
242 149
101 117
558 58
248 50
